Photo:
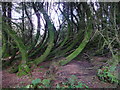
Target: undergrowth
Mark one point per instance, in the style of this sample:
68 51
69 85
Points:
105 74
71 82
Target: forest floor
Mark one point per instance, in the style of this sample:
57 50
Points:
83 69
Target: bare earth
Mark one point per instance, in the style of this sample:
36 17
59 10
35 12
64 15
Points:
84 70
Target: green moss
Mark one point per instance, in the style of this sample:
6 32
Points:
23 70
79 49
19 43
50 43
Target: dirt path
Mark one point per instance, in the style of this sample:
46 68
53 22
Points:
85 71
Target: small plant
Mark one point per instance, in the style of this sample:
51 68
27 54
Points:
72 79
72 83
46 83
107 74
38 83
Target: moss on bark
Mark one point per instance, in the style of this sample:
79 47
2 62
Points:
20 45
51 40
79 49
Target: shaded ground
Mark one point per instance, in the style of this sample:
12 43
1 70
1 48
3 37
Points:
84 70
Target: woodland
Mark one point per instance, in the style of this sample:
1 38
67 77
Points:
60 44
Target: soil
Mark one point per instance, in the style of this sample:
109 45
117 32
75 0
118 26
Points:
85 71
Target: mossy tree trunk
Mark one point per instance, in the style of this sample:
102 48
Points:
51 39
79 49
23 67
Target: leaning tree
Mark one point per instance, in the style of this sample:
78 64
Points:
48 31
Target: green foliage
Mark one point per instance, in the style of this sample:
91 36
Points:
36 81
105 74
46 83
72 82
23 70
72 79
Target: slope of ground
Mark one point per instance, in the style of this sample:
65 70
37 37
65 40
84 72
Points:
84 70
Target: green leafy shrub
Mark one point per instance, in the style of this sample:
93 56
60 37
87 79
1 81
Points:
46 83
72 83
107 74
38 83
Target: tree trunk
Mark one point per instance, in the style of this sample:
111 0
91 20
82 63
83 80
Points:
79 49
23 68
51 40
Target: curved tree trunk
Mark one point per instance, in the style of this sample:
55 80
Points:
79 49
23 67
51 40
